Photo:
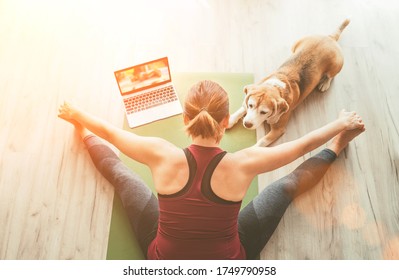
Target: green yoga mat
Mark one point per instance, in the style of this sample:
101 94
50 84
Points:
122 244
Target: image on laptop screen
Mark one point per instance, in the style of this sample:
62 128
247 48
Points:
143 76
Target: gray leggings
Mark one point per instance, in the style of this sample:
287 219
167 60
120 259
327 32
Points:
256 222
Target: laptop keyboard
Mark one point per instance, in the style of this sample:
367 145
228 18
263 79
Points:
150 99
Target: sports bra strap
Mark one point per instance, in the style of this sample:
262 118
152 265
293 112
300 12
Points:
206 188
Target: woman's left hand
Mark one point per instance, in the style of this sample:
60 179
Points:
351 120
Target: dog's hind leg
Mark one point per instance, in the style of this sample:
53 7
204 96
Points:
334 69
324 83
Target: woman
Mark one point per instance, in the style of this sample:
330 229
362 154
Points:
200 188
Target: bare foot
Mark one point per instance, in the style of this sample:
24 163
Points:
342 140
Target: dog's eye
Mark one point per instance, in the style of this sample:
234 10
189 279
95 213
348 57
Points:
250 106
263 112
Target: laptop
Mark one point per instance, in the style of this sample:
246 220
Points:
147 92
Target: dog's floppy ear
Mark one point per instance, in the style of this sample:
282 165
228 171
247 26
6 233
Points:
246 89
282 106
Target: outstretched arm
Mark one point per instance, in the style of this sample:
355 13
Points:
147 150
257 160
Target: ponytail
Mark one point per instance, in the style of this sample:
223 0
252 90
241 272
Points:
205 107
205 126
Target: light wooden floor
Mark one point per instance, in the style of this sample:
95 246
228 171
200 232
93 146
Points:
54 204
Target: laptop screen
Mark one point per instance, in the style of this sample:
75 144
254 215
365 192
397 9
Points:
143 76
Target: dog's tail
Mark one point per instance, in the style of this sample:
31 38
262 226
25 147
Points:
341 28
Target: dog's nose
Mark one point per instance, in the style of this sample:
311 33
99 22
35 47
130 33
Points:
248 124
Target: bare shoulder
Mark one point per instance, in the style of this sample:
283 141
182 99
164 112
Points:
237 161
230 180
170 169
165 150
256 160
144 149
245 155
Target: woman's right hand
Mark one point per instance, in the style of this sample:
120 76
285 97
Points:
351 120
66 111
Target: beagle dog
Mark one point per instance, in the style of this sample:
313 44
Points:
314 62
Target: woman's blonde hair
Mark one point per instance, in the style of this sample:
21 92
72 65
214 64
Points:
205 107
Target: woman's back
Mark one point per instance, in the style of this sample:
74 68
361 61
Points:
195 223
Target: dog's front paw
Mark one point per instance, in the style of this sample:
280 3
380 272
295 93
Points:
231 123
269 138
234 118
261 143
